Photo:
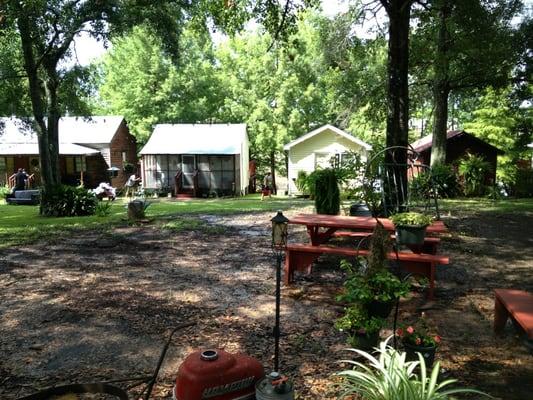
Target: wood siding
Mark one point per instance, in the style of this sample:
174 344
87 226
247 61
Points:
302 156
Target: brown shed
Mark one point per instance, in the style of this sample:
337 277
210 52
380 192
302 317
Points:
459 144
87 148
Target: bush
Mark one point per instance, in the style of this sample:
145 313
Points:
327 195
523 185
473 169
103 208
302 183
4 192
441 178
67 201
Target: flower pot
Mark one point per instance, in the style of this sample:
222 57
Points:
359 210
428 352
363 341
411 234
381 309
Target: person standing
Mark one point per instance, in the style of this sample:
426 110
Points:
20 180
267 186
131 184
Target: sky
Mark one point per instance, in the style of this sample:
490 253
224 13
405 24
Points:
88 49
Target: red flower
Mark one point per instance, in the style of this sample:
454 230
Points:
418 341
399 332
410 330
437 339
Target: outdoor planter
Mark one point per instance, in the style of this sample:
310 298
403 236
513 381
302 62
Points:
411 228
381 309
411 234
363 341
428 352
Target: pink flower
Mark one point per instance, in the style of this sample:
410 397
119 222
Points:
437 339
399 332
418 341
410 330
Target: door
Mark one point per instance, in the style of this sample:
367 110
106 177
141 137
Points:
187 167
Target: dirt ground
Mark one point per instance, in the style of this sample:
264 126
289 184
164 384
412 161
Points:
99 306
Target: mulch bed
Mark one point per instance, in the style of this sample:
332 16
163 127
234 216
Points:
99 306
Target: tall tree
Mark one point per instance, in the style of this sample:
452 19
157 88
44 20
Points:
47 29
158 89
463 45
399 13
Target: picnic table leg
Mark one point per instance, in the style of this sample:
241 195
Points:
500 316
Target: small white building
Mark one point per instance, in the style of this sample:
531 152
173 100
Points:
317 148
198 159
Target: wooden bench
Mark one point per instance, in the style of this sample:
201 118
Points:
429 247
300 257
517 304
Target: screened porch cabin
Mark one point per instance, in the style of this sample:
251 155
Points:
197 159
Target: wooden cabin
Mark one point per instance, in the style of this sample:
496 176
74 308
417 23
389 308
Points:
88 147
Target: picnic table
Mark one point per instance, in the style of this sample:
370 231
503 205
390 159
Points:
421 260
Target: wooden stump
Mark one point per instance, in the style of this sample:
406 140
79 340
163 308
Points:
136 210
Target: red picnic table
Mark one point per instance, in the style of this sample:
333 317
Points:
321 228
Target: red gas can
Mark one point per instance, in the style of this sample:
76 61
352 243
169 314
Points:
217 375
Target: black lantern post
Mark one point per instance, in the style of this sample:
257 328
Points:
279 242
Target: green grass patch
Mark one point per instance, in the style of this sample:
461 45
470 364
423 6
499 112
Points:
482 205
23 224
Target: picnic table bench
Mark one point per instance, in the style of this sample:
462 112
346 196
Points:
516 304
420 260
300 257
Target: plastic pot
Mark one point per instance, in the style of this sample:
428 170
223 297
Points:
428 352
411 234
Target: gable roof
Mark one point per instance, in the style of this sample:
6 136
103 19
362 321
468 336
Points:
196 139
427 141
330 128
93 130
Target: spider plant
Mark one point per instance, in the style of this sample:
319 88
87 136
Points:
391 377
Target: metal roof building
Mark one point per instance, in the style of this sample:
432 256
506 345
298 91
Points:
198 159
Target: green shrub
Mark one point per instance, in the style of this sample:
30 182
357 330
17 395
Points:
411 219
327 195
441 178
302 183
388 376
523 185
103 208
4 192
473 170
67 201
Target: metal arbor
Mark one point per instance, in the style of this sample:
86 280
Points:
396 181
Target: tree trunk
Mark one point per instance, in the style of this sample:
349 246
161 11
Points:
273 171
441 87
399 12
39 91
398 62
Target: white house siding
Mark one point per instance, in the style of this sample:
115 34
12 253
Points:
303 156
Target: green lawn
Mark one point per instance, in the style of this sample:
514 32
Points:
482 205
23 224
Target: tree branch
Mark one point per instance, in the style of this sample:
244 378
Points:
280 27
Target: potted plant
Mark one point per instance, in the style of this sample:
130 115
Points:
363 331
388 375
411 227
376 291
417 338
